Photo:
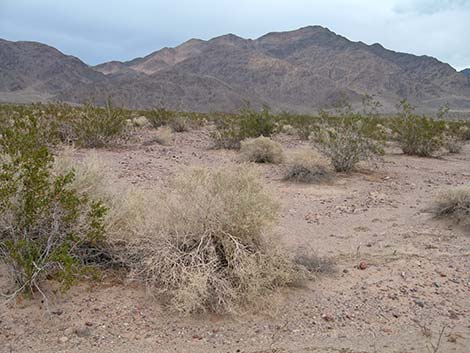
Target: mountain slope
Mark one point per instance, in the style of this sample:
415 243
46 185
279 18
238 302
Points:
299 70
35 67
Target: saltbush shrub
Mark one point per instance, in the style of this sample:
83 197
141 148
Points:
261 150
307 166
212 249
453 203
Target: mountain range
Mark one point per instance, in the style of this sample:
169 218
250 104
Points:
298 71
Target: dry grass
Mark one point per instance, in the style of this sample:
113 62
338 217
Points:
211 249
163 136
313 263
261 150
307 166
453 203
453 144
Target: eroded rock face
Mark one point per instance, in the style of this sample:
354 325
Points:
299 70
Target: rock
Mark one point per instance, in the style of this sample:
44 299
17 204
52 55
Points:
63 339
363 265
345 270
327 317
83 332
420 303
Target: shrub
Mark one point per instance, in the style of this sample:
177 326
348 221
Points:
313 263
417 135
453 144
261 150
96 127
159 117
180 123
453 203
163 136
307 166
212 249
231 130
46 227
346 143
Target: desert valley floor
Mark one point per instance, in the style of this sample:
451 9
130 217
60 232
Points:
416 284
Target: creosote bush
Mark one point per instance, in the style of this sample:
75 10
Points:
98 127
46 227
417 135
212 249
231 130
346 142
307 166
453 203
261 150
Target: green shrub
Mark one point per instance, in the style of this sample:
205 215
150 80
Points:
261 150
231 130
417 135
96 127
159 116
46 228
346 141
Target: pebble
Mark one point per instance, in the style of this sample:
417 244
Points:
363 265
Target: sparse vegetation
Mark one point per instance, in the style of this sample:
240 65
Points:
163 136
346 141
307 166
46 227
261 150
417 135
453 203
231 130
213 250
96 127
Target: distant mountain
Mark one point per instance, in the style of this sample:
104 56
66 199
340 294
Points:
300 71
466 72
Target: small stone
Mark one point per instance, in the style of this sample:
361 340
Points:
420 303
345 270
83 332
363 265
327 317
63 339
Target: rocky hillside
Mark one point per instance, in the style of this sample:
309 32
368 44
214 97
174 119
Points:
300 70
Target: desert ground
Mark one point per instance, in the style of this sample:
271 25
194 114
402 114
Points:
411 292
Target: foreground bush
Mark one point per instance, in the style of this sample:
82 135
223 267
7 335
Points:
261 150
212 250
46 227
417 135
453 203
307 166
346 143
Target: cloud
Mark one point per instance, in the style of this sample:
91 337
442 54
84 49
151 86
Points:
429 7
98 31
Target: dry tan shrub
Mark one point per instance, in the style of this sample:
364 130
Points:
128 208
211 249
453 144
261 150
453 203
163 136
140 121
305 165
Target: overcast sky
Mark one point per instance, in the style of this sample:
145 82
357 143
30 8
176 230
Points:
103 30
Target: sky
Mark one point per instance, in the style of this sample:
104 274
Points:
102 30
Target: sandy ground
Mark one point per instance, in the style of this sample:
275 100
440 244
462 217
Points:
416 284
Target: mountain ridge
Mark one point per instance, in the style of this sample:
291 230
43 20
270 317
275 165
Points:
300 71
